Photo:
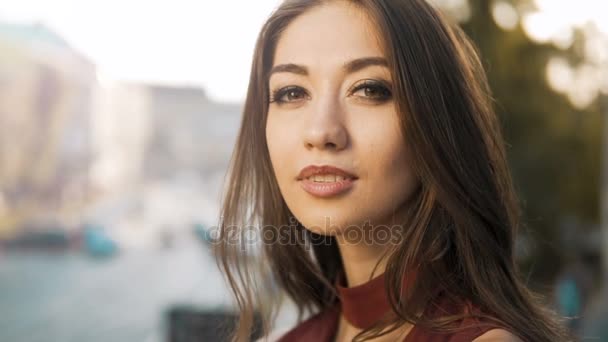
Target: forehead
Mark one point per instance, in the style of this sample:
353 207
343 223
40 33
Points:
328 35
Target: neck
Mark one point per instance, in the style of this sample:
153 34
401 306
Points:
359 260
360 257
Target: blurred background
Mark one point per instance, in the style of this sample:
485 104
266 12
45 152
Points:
117 120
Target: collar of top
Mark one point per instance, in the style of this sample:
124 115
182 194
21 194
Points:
366 303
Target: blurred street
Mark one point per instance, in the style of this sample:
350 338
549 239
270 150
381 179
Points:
71 297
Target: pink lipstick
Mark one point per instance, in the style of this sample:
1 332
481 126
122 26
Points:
326 181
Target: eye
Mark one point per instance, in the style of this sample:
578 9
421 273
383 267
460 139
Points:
372 90
288 94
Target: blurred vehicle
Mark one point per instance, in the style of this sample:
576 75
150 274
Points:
48 239
190 324
203 233
44 235
97 243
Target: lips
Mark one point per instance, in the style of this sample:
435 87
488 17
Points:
326 181
324 170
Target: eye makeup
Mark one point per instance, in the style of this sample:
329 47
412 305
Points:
369 90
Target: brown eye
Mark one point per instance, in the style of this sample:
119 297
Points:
375 92
372 90
288 94
293 94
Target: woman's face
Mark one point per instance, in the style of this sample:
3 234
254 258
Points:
331 104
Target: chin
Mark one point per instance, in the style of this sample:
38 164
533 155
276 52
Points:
329 223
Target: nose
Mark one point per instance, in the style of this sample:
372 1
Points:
326 130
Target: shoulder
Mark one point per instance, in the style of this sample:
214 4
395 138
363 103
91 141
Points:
318 327
274 335
498 335
477 327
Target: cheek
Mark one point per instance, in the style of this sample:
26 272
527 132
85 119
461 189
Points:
271 136
382 150
280 144
395 172
389 180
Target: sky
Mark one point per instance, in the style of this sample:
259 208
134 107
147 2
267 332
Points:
210 43
183 42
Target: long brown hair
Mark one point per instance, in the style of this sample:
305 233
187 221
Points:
463 220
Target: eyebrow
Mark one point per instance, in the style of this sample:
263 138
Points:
350 67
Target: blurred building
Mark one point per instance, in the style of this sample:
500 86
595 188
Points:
150 133
136 159
121 128
161 154
45 125
190 133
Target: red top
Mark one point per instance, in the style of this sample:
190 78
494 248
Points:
363 304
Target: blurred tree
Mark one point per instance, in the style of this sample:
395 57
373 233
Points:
553 148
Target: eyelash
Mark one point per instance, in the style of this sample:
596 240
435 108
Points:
277 95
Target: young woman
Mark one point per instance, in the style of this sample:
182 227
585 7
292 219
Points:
371 166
